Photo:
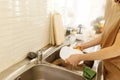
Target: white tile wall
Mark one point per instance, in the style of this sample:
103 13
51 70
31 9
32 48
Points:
24 27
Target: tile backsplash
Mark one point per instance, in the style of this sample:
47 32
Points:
24 27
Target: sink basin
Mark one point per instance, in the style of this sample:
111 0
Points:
54 57
47 72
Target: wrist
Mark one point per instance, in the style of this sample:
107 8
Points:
81 47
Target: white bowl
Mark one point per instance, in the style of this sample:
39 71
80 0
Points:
65 52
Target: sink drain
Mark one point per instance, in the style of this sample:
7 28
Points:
18 78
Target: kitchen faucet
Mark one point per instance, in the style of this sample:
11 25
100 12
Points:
39 56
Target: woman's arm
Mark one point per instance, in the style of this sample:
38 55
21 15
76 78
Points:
91 43
106 53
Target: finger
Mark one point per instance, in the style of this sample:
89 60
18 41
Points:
73 64
66 61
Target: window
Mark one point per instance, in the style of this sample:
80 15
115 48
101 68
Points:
75 12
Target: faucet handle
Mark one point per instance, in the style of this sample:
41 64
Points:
39 52
40 55
31 55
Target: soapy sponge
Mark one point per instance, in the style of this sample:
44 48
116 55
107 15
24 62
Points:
88 73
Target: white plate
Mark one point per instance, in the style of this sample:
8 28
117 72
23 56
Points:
65 52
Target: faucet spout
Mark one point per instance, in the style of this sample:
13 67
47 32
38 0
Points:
39 56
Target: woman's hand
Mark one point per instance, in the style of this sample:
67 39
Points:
73 59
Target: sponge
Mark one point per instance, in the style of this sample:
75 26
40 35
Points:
88 73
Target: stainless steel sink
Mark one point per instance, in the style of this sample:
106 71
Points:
53 56
100 71
47 72
30 70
